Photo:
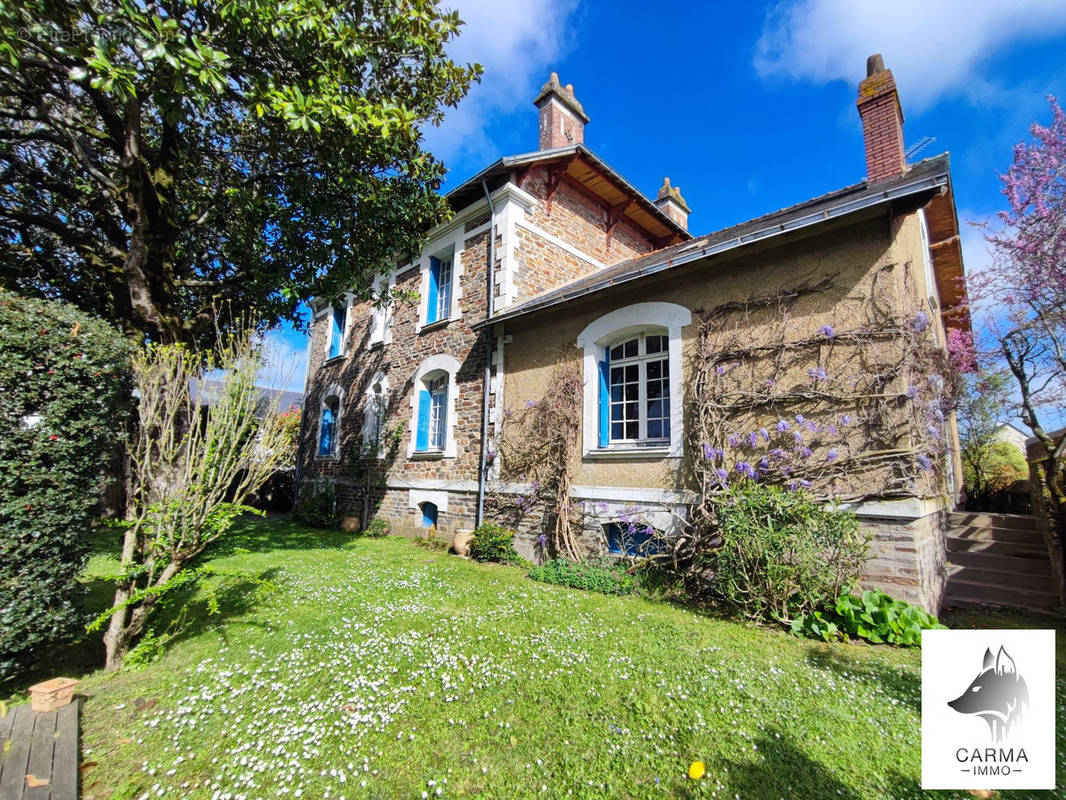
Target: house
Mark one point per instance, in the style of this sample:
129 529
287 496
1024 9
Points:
1012 434
814 333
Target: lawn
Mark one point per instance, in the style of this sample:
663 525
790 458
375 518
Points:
375 668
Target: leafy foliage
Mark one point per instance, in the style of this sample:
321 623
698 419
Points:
162 159
64 394
493 542
318 505
604 576
782 553
987 463
875 617
377 528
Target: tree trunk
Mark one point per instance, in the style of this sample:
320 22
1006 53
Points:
116 642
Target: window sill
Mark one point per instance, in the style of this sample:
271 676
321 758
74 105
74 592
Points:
426 455
380 343
665 451
327 459
436 325
333 359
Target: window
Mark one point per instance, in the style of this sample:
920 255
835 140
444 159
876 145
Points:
631 540
439 301
632 381
381 312
338 325
434 401
329 427
374 410
639 384
429 514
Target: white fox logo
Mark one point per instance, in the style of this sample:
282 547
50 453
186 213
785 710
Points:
998 694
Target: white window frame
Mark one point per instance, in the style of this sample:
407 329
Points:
641 361
381 315
373 413
438 363
450 248
333 390
328 316
612 328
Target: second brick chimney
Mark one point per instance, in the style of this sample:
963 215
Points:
562 118
671 203
882 122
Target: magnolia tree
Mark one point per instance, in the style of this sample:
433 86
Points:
1028 280
196 457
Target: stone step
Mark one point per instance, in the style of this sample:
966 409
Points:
1022 521
968 594
986 534
997 562
957 545
995 579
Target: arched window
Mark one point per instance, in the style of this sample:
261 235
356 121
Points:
374 410
434 401
632 386
429 514
329 423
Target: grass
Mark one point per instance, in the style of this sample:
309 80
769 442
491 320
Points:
377 669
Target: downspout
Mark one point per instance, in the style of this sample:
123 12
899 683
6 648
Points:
297 473
483 467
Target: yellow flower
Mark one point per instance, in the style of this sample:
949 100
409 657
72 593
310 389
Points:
696 770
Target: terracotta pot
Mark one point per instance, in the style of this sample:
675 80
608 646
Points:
351 525
52 695
461 543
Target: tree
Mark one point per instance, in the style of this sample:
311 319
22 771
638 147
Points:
164 160
1028 281
195 461
64 392
983 406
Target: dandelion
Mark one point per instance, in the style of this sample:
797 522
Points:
696 770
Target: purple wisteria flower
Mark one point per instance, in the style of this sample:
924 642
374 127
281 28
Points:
733 440
831 455
818 373
921 321
764 434
746 468
782 426
708 452
845 420
831 430
530 403
924 462
720 369
798 437
800 419
912 392
542 540
827 331
804 452
753 439
723 476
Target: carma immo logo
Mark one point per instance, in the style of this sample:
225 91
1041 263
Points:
988 709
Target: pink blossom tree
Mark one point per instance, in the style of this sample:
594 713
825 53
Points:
1028 282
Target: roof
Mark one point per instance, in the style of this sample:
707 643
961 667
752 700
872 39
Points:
926 179
587 172
205 393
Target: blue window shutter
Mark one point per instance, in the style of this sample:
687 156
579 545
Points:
605 401
422 434
325 435
434 280
338 333
429 515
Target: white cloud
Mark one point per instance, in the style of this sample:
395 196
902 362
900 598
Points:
517 44
933 47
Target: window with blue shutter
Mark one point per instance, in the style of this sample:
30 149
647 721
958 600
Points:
631 539
432 298
634 396
605 402
327 428
336 338
429 515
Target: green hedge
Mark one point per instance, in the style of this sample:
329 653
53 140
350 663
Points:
65 395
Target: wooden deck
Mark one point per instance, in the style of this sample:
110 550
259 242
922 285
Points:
40 754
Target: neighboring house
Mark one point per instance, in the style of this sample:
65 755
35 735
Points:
586 270
1012 435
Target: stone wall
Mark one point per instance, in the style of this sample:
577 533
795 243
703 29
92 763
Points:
907 557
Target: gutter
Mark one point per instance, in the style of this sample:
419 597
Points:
770 231
483 465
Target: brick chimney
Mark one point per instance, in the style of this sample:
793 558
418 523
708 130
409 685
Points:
562 119
882 121
671 203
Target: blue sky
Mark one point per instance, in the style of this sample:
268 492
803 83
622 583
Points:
750 107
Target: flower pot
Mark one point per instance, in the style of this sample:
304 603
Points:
351 525
461 543
52 695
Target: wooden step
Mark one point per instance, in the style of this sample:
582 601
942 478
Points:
1014 549
995 579
1021 521
969 594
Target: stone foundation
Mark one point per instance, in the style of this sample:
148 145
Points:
907 557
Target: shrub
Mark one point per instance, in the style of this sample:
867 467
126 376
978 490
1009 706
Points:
604 576
493 542
875 617
377 528
65 395
432 541
782 553
318 505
